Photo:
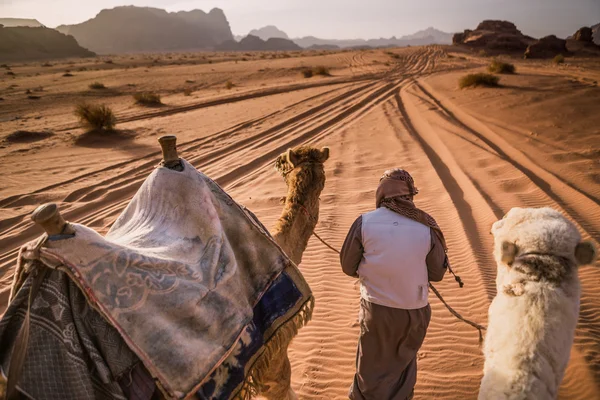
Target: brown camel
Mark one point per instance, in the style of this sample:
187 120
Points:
303 172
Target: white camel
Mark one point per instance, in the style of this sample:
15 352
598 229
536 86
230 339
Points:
533 316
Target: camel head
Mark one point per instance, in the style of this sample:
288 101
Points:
302 168
540 243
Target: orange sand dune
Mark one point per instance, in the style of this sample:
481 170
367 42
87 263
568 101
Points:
473 153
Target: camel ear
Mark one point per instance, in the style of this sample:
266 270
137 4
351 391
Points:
292 157
509 252
324 154
585 253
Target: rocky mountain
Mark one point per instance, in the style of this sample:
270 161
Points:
254 43
32 43
437 35
596 33
494 37
12 22
269 32
142 29
421 38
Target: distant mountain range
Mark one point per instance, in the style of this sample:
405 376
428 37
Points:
254 43
13 22
142 29
26 43
424 37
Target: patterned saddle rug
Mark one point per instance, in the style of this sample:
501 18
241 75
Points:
186 281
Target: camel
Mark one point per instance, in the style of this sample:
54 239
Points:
302 170
533 317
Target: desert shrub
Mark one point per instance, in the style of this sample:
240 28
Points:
147 98
559 59
318 70
10 73
187 92
68 75
95 116
229 85
46 64
190 81
33 97
500 67
321 70
97 85
108 62
5 66
81 69
482 53
481 79
131 85
307 72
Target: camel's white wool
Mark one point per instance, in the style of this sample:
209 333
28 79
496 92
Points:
533 317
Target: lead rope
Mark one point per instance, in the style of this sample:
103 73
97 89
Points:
479 328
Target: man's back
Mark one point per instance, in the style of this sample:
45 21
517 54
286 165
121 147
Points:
393 271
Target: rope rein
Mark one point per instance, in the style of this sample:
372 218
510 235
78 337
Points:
475 325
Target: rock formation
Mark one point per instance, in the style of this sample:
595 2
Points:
547 47
13 22
268 32
494 37
584 34
254 43
138 29
27 44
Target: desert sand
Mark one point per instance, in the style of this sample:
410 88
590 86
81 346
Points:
474 154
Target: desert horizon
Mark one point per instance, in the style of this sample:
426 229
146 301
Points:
485 119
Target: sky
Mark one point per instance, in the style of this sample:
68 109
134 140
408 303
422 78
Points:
341 19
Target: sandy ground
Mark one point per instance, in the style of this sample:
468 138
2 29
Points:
474 154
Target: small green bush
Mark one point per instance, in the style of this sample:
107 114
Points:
481 79
147 98
97 85
500 67
95 116
559 59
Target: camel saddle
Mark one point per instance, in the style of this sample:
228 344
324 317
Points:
187 284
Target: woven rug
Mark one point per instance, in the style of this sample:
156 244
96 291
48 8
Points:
186 282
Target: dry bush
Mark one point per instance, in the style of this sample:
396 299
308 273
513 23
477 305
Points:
229 85
318 70
68 75
108 62
500 67
187 92
97 85
483 53
481 79
98 117
559 59
147 98
10 73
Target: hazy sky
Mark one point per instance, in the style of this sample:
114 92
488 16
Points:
342 19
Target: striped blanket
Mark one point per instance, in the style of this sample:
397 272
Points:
187 283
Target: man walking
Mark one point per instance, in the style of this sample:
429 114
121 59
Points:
395 251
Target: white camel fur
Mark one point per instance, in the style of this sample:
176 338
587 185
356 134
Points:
533 317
